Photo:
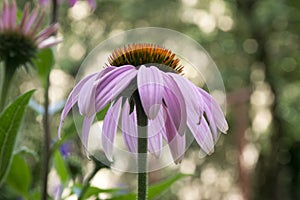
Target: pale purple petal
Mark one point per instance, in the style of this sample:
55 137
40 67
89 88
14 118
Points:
109 130
175 141
30 21
38 24
72 99
5 15
194 106
157 125
155 145
87 122
203 135
215 110
156 130
86 98
25 15
150 87
45 33
49 42
112 84
175 104
12 15
129 128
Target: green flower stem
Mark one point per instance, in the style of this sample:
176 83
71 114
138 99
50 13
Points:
8 75
46 121
87 182
142 122
46 143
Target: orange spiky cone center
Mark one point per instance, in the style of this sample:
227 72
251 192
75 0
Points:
146 54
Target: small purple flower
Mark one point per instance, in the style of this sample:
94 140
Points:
172 104
65 149
92 3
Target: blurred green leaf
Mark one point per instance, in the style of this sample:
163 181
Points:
154 190
101 115
61 167
10 121
19 176
27 151
93 191
44 62
157 189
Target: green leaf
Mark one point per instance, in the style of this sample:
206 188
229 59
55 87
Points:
19 176
61 167
44 62
10 121
154 190
93 191
101 115
157 189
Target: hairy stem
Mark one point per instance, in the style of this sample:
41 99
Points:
8 75
142 122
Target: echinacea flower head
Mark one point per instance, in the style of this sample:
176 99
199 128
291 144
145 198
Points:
172 104
19 42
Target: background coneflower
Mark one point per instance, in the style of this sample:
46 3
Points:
19 43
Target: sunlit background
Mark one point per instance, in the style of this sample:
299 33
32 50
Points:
256 46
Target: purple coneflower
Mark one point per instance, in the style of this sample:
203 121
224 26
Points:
19 43
92 3
147 77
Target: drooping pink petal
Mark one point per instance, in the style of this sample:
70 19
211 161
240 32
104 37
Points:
151 88
109 129
175 141
72 99
175 104
45 33
112 84
155 145
30 21
203 135
157 125
38 24
87 122
215 109
212 122
156 130
87 97
73 96
12 15
5 15
49 42
25 15
194 106
129 128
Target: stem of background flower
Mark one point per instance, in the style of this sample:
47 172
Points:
9 72
46 124
87 182
142 122
46 145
